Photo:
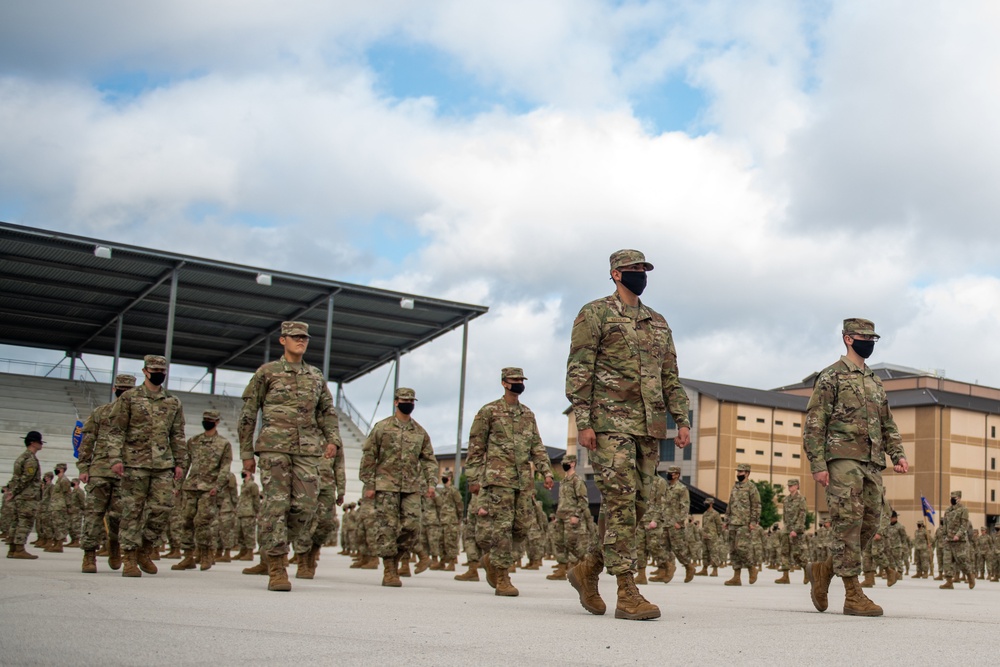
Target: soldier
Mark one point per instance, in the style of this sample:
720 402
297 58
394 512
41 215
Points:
676 507
711 535
743 518
573 508
450 508
397 466
6 514
503 443
848 431
146 449
793 515
23 493
922 551
299 427
224 528
247 508
622 380
536 535
332 487
429 539
898 540
74 512
59 509
956 540
654 544
210 457
472 553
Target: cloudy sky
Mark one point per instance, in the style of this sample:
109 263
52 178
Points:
783 164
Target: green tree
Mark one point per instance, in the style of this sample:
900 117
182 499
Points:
768 509
548 502
810 519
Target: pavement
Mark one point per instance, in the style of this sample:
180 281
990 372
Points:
50 614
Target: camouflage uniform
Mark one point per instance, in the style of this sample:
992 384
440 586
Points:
650 541
472 552
332 487
59 506
25 487
676 508
298 423
622 380
450 508
429 537
955 525
922 552
536 535
146 436
75 505
711 524
207 482
793 516
247 508
743 512
225 531
571 540
398 464
848 431
898 540
503 443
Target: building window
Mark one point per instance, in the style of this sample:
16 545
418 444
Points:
760 420
993 495
740 450
993 431
796 425
759 452
993 463
796 456
668 451
778 455
779 423
687 453
740 418
686 479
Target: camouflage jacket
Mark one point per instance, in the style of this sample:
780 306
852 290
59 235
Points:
297 414
429 510
711 523
956 523
449 505
93 454
147 430
793 513
621 374
676 504
78 500
503 442
656 505
210 457
333 473
61 491
922 540
249 502
540 518
898 539
573 500
229 497
848 417
397 456
26 478
744 504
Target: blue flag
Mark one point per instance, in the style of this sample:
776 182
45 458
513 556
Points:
928 510
77 438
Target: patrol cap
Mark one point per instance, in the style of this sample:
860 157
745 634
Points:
512 373
211 415
294 329
621 258
709 501
569 458
405 394
673 469
155 361
920 524
956 494
857 325
33 436
793 482
743 467
894 515
61 466
124 380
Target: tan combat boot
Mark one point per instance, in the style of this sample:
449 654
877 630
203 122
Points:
504 588
737 579
130 568
715 572
892 577
226 557
187 562
435 563
822 575
472 574
422 564
631 605
703 572
753 575
869 581
559 574
89 561
205 559
948 584
641 576
259 568
403 567
370 564
689 573
307 564
54 547
143 558
277 576
534 565
585 578
75 544
449 566
17 552
173 554
784 578
103 551
806 574
856 603
114 554
671 570
390 577
972 580
491 573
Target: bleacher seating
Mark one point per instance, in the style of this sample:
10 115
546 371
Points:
52 406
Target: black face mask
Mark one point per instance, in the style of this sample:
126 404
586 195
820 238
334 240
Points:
444 480
634 281
207 425
517 387
119 392
954 501
156 378
741 477
405 408
863 348
566 467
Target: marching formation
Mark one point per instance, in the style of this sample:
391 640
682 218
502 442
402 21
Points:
149 490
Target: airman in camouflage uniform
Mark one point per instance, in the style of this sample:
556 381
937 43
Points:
536 535
573 508
146 448
649 536
23 493
792 538
898 541
743 517
6 514
224 530
429 538
622 380
210 456
848 432
711 535
397 467
922 551
956 542
472 553
332 487
299 426
75 504
450 508
676 508
59 509
247 508
503 443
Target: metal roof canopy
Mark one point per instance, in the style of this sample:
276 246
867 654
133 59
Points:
58 292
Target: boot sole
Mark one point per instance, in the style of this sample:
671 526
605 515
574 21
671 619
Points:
576 584
507 595
280 589
645 616
862 613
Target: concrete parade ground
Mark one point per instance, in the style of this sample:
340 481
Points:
51 614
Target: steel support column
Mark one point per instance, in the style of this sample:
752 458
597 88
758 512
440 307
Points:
329 339
461 401
72 365
395 385
171 314
118 352
212 389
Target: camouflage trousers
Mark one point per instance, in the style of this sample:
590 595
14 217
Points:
146 497
326 502
449 540
396 524
624 468
290 486
430 528
502 530
571 541
247 532
200 510
854 497
675 541
6 516
922 560
536 542
175 526
714 551
469 533
103 500
75 524
60 522
740 547
792 552
224 530
22 519
956 558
